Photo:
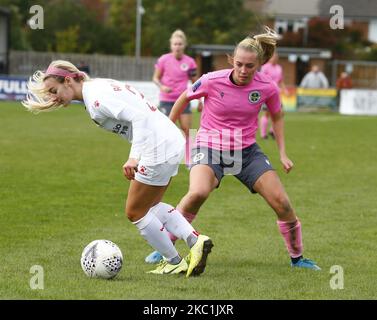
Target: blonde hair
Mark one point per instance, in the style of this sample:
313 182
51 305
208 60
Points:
38 99
179 34
262 44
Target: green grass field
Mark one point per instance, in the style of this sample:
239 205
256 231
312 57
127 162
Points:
61 186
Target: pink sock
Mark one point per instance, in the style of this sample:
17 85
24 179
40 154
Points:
263 125
189 217
291 232
188 151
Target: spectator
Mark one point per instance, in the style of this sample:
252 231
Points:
344 81
315 79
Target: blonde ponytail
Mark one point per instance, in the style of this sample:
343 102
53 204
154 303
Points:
263 44
38 99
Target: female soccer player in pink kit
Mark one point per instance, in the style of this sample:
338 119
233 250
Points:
225 143
172 72
154 157
275 72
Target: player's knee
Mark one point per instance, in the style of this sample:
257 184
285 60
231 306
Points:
198 196
129 215
132 213
283 206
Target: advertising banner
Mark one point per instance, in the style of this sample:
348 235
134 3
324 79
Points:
358 102
316 98
289 99
13 88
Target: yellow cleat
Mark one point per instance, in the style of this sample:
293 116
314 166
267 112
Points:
165 267
198 256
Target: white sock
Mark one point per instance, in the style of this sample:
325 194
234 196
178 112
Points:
154 232
175 223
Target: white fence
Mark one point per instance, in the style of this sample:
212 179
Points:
24 63
363 73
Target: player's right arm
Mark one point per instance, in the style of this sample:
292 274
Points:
157 80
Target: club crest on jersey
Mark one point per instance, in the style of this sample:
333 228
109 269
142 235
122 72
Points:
96 104
184 66
254 96
196 85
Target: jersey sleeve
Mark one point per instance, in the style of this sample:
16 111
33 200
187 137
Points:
160 64
138 139
198 89
192 68
273 102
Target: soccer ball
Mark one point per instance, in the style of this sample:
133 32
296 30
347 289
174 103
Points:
101 259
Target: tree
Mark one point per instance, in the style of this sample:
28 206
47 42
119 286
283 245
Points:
18 39
108 26
68 40
122 18
66 20
342 42
209 22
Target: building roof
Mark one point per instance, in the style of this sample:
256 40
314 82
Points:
360 9
214 49
291 8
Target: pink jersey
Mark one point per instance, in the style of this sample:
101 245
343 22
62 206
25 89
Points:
175 74
274 71
229 119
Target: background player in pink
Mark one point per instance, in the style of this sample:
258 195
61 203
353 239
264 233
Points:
226 138
275 72
154 157
172 72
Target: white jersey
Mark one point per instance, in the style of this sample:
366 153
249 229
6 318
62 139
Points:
117 107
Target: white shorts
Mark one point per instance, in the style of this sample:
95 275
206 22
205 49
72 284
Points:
160 174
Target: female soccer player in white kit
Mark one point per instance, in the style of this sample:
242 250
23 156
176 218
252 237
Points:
156 151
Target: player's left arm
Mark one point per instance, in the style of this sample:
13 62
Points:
138 139
281 83
278 126
193 75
